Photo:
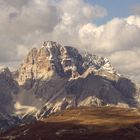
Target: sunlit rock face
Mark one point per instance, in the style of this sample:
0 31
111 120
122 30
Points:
60 77
50 60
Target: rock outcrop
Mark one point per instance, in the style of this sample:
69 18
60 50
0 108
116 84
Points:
50 60
8 89
62 78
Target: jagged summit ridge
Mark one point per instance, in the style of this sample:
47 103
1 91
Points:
53 59
6 71
62 77
49 60
98 63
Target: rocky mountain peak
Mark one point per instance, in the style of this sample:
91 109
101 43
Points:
50 44
5 72
51 59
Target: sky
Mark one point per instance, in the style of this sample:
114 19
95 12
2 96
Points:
110 28
116 8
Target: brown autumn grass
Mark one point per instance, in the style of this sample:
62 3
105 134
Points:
97 115
84 123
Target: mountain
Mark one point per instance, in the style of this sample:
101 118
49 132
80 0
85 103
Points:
8 89
61 77
54 78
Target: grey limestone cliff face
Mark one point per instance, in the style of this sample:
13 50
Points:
62 78
50 60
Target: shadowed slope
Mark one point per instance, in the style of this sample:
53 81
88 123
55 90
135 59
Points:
82 123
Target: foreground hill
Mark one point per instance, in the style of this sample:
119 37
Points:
84 123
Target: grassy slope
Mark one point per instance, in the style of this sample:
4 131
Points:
105 123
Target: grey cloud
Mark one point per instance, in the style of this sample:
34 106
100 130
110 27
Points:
26 23
13 15
79 12
16 3
24 27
